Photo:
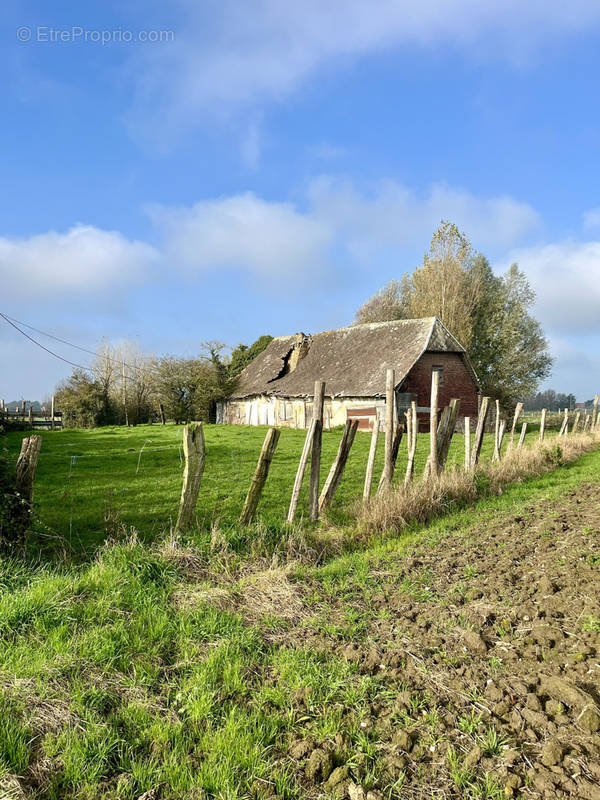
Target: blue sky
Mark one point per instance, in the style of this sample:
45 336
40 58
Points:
269 165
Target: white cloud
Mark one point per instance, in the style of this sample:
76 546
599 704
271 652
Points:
267 239
237 56
591 218
82 260
566 279
393 215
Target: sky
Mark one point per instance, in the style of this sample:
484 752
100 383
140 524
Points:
178 172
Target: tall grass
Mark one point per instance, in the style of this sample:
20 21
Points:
420 501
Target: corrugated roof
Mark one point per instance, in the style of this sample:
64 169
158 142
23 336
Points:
352 361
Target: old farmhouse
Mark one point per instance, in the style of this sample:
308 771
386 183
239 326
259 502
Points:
278 386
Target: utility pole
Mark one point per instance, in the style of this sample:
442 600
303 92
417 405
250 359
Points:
124 382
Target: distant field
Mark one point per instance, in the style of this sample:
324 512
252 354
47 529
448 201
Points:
90 480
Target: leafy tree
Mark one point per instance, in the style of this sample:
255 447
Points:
242 355
489 314
82 400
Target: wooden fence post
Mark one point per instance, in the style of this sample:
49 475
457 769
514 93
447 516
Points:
371 460
467 443
31 415
395 448
501 433
315 456
52 414
518 410
161 409
586 422
564 428
496 454
479 431
337 468
543 424
260 476
594 413
414 422
195 455
576 423
26 466
446 431
522 436
388 467
431 468
301 470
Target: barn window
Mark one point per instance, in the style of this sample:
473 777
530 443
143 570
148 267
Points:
440 372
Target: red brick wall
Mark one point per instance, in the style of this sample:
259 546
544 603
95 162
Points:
457 382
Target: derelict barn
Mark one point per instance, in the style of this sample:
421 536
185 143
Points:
277 387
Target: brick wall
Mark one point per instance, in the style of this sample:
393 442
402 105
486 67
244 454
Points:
457 382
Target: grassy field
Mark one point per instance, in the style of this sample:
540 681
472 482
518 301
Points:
140 674
91 481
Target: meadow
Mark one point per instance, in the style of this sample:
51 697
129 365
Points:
91 483
153 671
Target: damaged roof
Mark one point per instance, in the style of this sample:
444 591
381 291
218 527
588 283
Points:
352 361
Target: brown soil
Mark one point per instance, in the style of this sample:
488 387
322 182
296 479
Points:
495 633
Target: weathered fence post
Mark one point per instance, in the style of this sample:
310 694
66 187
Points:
586 422
576 423
395 448
31 415
479 431
518 410
467 443
26 466
446 431
501 433
195 455
594 413
496 454
161 409
315 456
414 422
522 436
301 470
543 424
564 428
260 476
371 460
52 414
388 468
337 468
431 468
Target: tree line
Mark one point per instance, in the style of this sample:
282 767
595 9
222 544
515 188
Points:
125 385
489 314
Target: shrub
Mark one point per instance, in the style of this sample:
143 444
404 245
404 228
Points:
13 513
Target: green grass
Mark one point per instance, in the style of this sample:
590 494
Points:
89 482
110 687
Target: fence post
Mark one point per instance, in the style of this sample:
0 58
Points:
300 472
594 413
564 428
260 476
161 408
414 422
395 448
467 443
447 431
479 431
26 466
431 468
52 413
31 415
195 455
315 457
496 454
337 468
543 424
522 436
371 460
586 422
501 433
518 410
576 423
388 467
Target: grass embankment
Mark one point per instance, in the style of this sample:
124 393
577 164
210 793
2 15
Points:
92 482
155 670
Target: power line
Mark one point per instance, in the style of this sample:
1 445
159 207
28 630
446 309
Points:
12 321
